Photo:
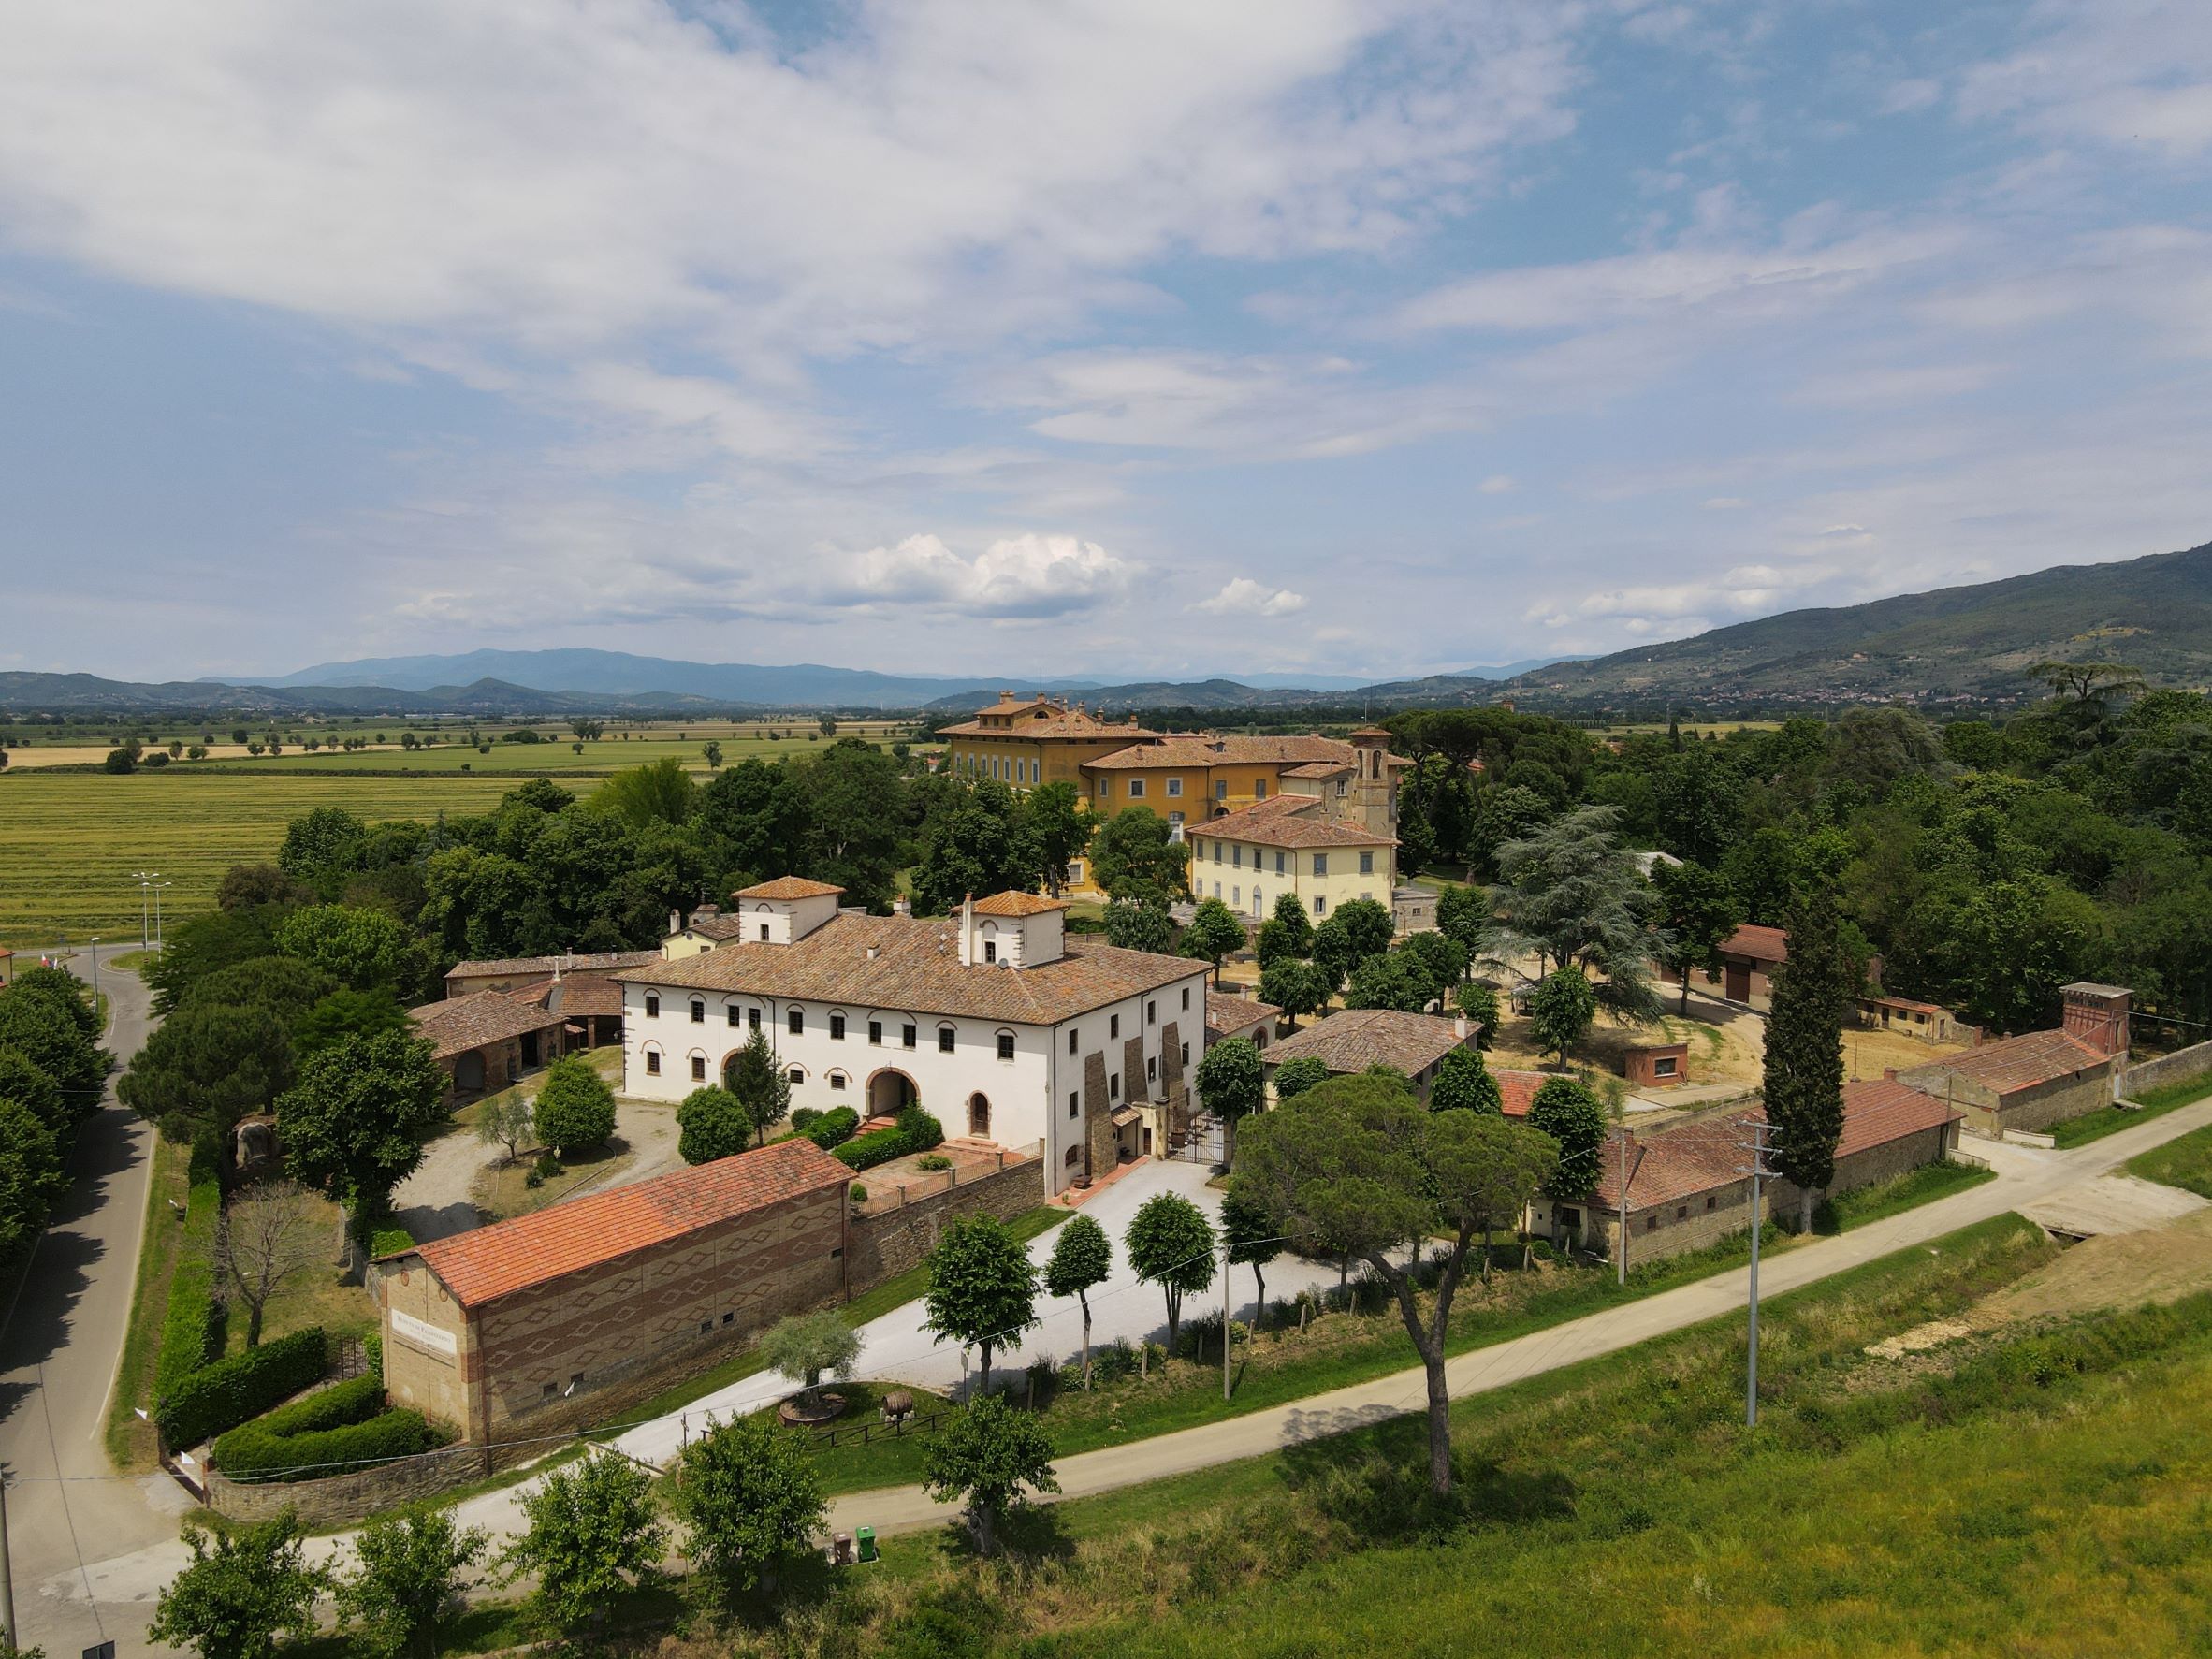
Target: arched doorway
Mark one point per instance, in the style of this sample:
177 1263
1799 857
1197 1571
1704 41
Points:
890 1093
979 1116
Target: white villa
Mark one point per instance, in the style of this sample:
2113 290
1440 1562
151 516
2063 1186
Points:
1000 1026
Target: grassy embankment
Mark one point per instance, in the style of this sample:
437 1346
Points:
130 1438
2028 1489
2150 1103
2186 1163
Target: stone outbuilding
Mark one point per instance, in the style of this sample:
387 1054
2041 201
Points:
1656 1065
2029 1081
1413 908
589 1004
486 1041
1240 1017
1749 957
1926 1021
512 972
1351 1041
556 1318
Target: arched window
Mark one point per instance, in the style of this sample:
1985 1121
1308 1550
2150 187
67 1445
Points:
652 1060
838 1079
990 941
698 1067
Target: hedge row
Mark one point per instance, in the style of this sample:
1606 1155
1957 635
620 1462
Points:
192 1330
224 1394
916 1131
337 1432
830 1129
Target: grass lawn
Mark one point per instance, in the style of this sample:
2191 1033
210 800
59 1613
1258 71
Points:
503 1191
133 961
2186 1163
130 1438
2110 1120
1907 1191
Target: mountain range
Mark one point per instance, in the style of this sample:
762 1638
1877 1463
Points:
1952 645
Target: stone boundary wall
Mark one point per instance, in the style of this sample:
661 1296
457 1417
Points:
343 1498
2183 1064
882 1246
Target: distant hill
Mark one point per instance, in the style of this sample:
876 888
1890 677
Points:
87 693
2154 614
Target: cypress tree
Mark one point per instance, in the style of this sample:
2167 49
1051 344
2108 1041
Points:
1804 1072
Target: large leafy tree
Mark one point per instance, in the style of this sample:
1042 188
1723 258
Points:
31 1173
1353 931
1570 1114
750 1500
806 1345
594 1533
1252 1239
1463 1083
1138 927
1213 934
1294 1077
322 847
1396 979
1561 1010
1288 932
1059 827
353 1126
982 1288
1171 1245
31 1086
1570 895
203 945
1463 914
1804 1065
760 1086
751 822
980 842
247 1588
1480 1003
713 1124
1358 1166
856 803
1297 988
363 949
284 985
1231 1085
993 1457
1081 1258
1697 912
65 991
576 1108
1137 861
52 1039
660 791
408 1583
345 1014
204 1068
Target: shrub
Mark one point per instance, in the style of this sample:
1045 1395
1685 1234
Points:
915 1132
803 1116
546 1167
576 1108
933 1161
532 1180
859 1193
332 1433
389 1241
228 1392
372 1352
828 1129
192 1330
921 1130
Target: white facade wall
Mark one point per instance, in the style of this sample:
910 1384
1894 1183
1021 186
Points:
1027 1094
1244 876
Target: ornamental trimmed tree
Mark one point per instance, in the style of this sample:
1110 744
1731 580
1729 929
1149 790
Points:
245 1590
1697 912
1253 1240
1295 986
1081 1258
751 1503
594 1534
1233 1086
1213 934
1804 1063
1295 1076
203 1068
1296 927
714 1125
1463 1083
1171 1245
992 1456
1562 1010
1131 926
574 1110
1571 1115
1480 1003
805 1346
982 1288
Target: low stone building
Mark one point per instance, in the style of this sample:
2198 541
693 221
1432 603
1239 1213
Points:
1925 1021
2039 1078
1413 908
1240 1017
1749 957
486 1041
1687 1184
1357 1038
1656 1065
556 1318
590 1004
507 973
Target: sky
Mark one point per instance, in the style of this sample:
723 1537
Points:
1124 338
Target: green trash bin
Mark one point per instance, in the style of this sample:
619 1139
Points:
865 1536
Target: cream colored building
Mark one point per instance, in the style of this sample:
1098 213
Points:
1290 844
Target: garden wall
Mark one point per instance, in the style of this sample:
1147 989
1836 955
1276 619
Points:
882 1246
344 1498
2184 1064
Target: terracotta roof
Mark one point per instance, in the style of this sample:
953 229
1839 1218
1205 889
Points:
1017 904
1884 1110
1289 821
460 1023
1222 752
2013 1063
917 968
543 966
1517 1090
579 995
1319 769
1761 944
492 1262
1359 1038
787 887
715 926
1904 1002
1226 1013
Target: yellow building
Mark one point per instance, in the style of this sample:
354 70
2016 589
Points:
1290 844
1189 778
1024 741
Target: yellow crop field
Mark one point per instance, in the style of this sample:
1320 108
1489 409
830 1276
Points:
69 841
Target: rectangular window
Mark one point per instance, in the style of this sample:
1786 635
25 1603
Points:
1236 895
1006 1045
1259 788
1136 788
1236 856
652 1006
1320 905
1071 1040
875 1034
906 1036
1279 869
1152 1070
1174 789
1320 863
698 1011
796 1021
1151 1012
698 1067
1105 787
837 1080
764 933
944 1040
1074 1110
1187 1054
1113 1087
1187 999
1221 790
736 1018
837 1027
1075 872
1367 864
990 950
652 1063
1217 852
1113 1025
1216 890
753 1019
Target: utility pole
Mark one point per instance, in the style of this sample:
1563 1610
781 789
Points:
7 1632
1224 1322
1627 1176
1758 1171
157 887
95 959
145 880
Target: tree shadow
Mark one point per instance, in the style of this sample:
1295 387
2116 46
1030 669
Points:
1375 1484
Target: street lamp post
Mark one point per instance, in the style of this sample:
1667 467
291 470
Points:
157 887
95 956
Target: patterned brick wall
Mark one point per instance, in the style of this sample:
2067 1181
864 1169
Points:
1098 1117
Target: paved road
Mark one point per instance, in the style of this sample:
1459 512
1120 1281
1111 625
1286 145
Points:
58 1351
2025 1177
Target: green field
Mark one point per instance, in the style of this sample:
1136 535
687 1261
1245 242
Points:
564 754
69 841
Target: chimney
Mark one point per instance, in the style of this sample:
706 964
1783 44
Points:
2097 1015
1889 1074
676 921
902 905
1459 1026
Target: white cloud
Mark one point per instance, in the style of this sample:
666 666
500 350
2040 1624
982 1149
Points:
2137 74
1497 484
1243 596
1026 576
1724 504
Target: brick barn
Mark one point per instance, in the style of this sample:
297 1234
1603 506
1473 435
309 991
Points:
485 1040
555 1320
